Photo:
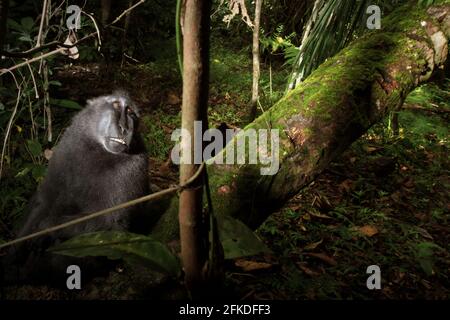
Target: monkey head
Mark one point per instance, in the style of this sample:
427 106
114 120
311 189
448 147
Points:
116 121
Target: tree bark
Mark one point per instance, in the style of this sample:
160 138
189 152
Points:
333 107
194 250
256 60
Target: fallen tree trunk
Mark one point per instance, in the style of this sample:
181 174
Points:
334 106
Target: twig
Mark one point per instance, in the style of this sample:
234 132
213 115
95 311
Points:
45 55
8 128
96 28
34 81
46 46
56 9
47 108
125 12
41 26
436 108
27 53
38 58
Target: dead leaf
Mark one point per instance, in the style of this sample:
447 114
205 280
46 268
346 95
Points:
167 129
424 233
370 149
367 230
173 98
322 256
308 271
248 265
48 154
295 207
421 216
409 183
321 202
72 52
397 197
346 185
313 245
320 215
224 189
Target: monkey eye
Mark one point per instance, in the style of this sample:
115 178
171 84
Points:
129 110
116 105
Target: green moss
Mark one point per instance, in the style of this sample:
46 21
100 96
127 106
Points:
396 21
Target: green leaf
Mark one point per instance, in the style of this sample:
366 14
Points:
14 25
27 23
69 104
25 38
425 256
54 83
38 172
23 172
133 248
34 147
427 266
237 239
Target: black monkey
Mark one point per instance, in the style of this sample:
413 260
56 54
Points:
99 162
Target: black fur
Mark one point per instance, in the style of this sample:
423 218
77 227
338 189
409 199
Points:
87 172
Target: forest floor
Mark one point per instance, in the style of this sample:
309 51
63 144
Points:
384 202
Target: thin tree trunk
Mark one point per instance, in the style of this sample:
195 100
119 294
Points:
106 11
105 16
125 30
4 6
256 60
194 250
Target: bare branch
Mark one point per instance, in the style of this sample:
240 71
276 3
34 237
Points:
53 44
41 26
48 54
125 12
38 58
34 81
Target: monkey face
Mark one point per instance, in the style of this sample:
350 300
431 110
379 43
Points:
117 122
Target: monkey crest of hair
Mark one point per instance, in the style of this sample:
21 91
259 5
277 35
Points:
99 162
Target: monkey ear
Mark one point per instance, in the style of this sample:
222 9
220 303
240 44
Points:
95 101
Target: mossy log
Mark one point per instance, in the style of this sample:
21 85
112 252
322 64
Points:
334 106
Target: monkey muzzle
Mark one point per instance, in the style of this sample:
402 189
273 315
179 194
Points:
118 140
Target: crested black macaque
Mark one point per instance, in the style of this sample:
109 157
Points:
99 162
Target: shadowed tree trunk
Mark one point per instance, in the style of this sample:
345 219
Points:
4 6
333 107
105 34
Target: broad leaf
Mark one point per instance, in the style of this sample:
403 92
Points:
69 104
133 248
34 147
38 171
27 24
237 239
